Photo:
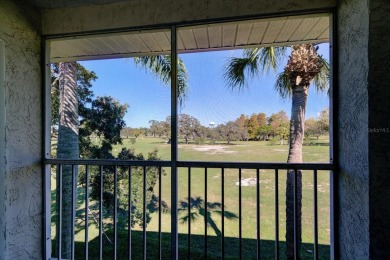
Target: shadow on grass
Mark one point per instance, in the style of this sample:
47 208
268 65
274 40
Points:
249 246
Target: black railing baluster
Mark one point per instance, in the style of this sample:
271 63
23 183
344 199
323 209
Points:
240 211
86 209
189 213
73 210
59 246
315 215
115 210
174 147
144 214
258 212
276 214
296 214
159 212
205 215
101 213
223 212
129 216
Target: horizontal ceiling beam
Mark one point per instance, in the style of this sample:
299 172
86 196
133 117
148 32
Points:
131 14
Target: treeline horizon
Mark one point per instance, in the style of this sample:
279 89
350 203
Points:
244 128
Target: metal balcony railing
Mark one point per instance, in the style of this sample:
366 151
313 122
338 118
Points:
126 170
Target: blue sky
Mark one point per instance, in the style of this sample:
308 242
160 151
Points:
209 99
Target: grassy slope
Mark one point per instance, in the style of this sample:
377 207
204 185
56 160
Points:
239 151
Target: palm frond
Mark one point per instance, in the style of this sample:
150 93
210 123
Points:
235 72
182 82
269 58
321 80
282 85
253 61
160 66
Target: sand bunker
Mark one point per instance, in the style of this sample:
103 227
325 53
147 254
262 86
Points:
250 182
212 149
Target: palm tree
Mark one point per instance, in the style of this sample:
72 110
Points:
67 145
304 67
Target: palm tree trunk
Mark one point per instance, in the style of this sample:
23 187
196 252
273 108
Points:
297 120
68 145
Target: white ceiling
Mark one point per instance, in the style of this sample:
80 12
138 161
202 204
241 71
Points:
254 33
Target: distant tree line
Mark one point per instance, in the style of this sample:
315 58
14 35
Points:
317 126
256 127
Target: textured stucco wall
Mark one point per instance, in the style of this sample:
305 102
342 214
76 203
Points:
151 12
20 188
379 127
353 23
2 147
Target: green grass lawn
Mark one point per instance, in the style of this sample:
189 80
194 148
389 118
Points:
317 151
248 151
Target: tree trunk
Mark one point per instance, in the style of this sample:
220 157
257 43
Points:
68 146
297 121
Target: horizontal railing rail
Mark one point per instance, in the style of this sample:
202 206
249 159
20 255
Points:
197 164
108 162
128 167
